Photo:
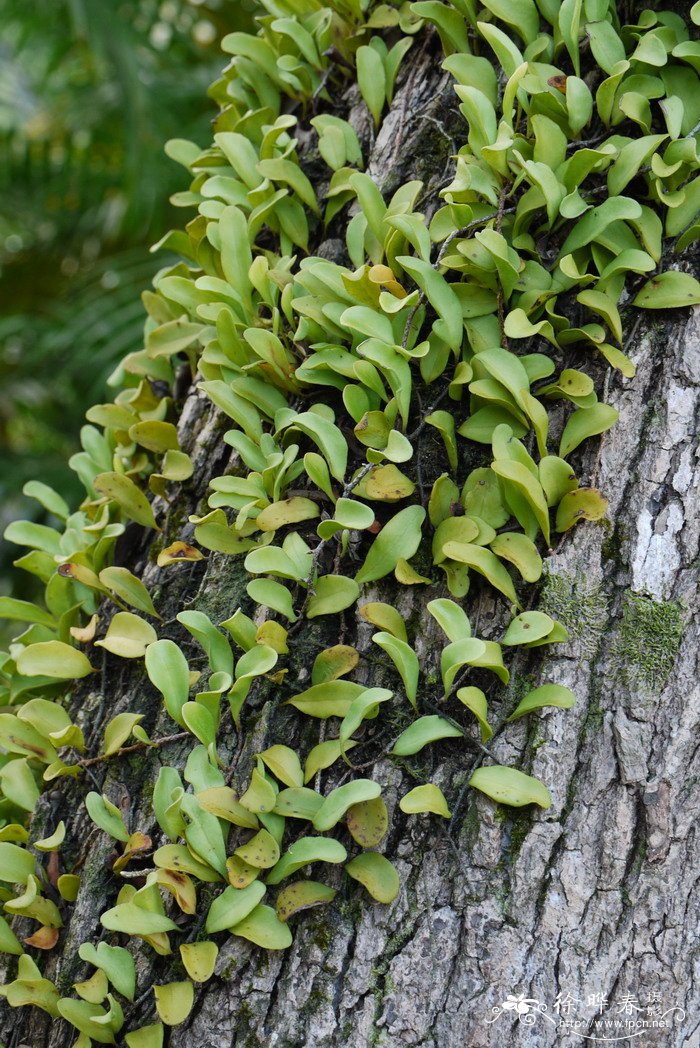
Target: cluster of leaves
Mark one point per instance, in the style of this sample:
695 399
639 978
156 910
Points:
85 104
323 370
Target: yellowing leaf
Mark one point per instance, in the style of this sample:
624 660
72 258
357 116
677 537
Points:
582 504
146 1037
199 959
368 822
385 617
289 511
177 552
128 636
174 1001
261 851
302 895
284 764
334 662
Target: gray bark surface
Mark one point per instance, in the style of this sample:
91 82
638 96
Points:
598 894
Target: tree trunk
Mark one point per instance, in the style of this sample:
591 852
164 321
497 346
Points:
596 895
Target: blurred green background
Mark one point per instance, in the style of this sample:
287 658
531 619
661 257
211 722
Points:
90 90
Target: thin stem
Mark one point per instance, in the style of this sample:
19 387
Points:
89 762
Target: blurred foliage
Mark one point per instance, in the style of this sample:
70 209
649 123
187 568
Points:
90 90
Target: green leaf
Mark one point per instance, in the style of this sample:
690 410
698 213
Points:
272 595
546 695
519 550
466 652
332 594
298 802
521 15
423 731
23 611
289 173
128 636
85 1017
131 919
122 490
366 705
399 538
339 800
376 874
19 787
53 658
668 291
117 964
510 786
594 223
204 834
128 588
106 815
232 906
16 864
323 756
441 297
451 618
214 643
167 669
332 699
528 486
405 660
486 563
475 700
304 852
371 79
427 798
352 514
584 423
527 627
9 943
263 927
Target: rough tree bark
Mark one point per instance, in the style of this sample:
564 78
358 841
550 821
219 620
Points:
598 894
